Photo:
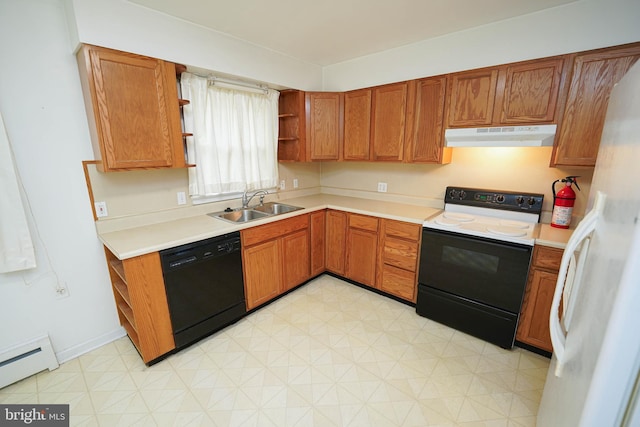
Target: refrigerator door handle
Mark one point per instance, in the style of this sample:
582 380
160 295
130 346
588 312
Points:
579 239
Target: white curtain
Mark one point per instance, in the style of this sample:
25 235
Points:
16 247
235 137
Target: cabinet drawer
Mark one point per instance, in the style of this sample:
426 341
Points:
400 253
363 222
398 282
547 257
403 230
270 231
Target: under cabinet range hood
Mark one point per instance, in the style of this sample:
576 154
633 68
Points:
505 136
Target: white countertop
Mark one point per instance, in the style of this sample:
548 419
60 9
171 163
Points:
141 240
131 242
554 237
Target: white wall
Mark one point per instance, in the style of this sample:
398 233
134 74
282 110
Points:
41 102
581 25
516 169
121 25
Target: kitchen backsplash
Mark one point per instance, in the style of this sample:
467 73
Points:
137 193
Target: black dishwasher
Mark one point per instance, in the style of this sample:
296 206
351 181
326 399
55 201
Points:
205 288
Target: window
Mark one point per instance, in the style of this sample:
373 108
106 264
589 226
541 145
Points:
235 138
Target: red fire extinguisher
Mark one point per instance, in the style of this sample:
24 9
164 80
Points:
563 202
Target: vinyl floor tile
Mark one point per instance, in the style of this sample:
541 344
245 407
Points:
329 354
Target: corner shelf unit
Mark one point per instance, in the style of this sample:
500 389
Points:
291 126
181 103
139 293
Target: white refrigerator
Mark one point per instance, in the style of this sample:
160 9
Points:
593 376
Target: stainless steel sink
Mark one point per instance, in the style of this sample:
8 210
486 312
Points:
242 215
274 208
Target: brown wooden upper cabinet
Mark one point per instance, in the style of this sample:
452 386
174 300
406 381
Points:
425 139
324 125
388 117
132 108
594 75
520 93
357 125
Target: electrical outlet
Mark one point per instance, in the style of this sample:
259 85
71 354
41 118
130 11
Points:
295 182
62 290
101 209
382 187
283 184
182 198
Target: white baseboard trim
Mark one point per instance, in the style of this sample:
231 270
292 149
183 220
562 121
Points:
80 349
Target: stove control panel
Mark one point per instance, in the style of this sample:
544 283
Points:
495 199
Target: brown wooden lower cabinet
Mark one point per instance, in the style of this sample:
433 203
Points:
533 327
317 230
276 258
335 242
141 301
262 272
362 249
398 261
295 259
380 253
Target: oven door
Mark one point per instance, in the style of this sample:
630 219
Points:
473 284
483 270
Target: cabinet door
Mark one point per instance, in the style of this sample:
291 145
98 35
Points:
323 125
135 111
295 259
530 92
594 76
361 256
317 242
426 145
472 98
262 273
533 328
357 125
388 122
336 241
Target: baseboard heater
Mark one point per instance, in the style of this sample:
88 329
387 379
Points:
26 359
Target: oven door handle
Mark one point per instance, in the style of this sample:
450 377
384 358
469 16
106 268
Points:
579 241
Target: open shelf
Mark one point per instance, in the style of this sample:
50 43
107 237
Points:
291 131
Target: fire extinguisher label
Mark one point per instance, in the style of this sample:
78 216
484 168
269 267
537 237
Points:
561 215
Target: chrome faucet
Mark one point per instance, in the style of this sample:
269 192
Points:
246 198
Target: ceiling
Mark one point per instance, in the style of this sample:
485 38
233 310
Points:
326 32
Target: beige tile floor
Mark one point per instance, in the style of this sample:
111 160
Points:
328 354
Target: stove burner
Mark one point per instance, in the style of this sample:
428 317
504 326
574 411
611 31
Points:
445 221
506 231
514 224
459 217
